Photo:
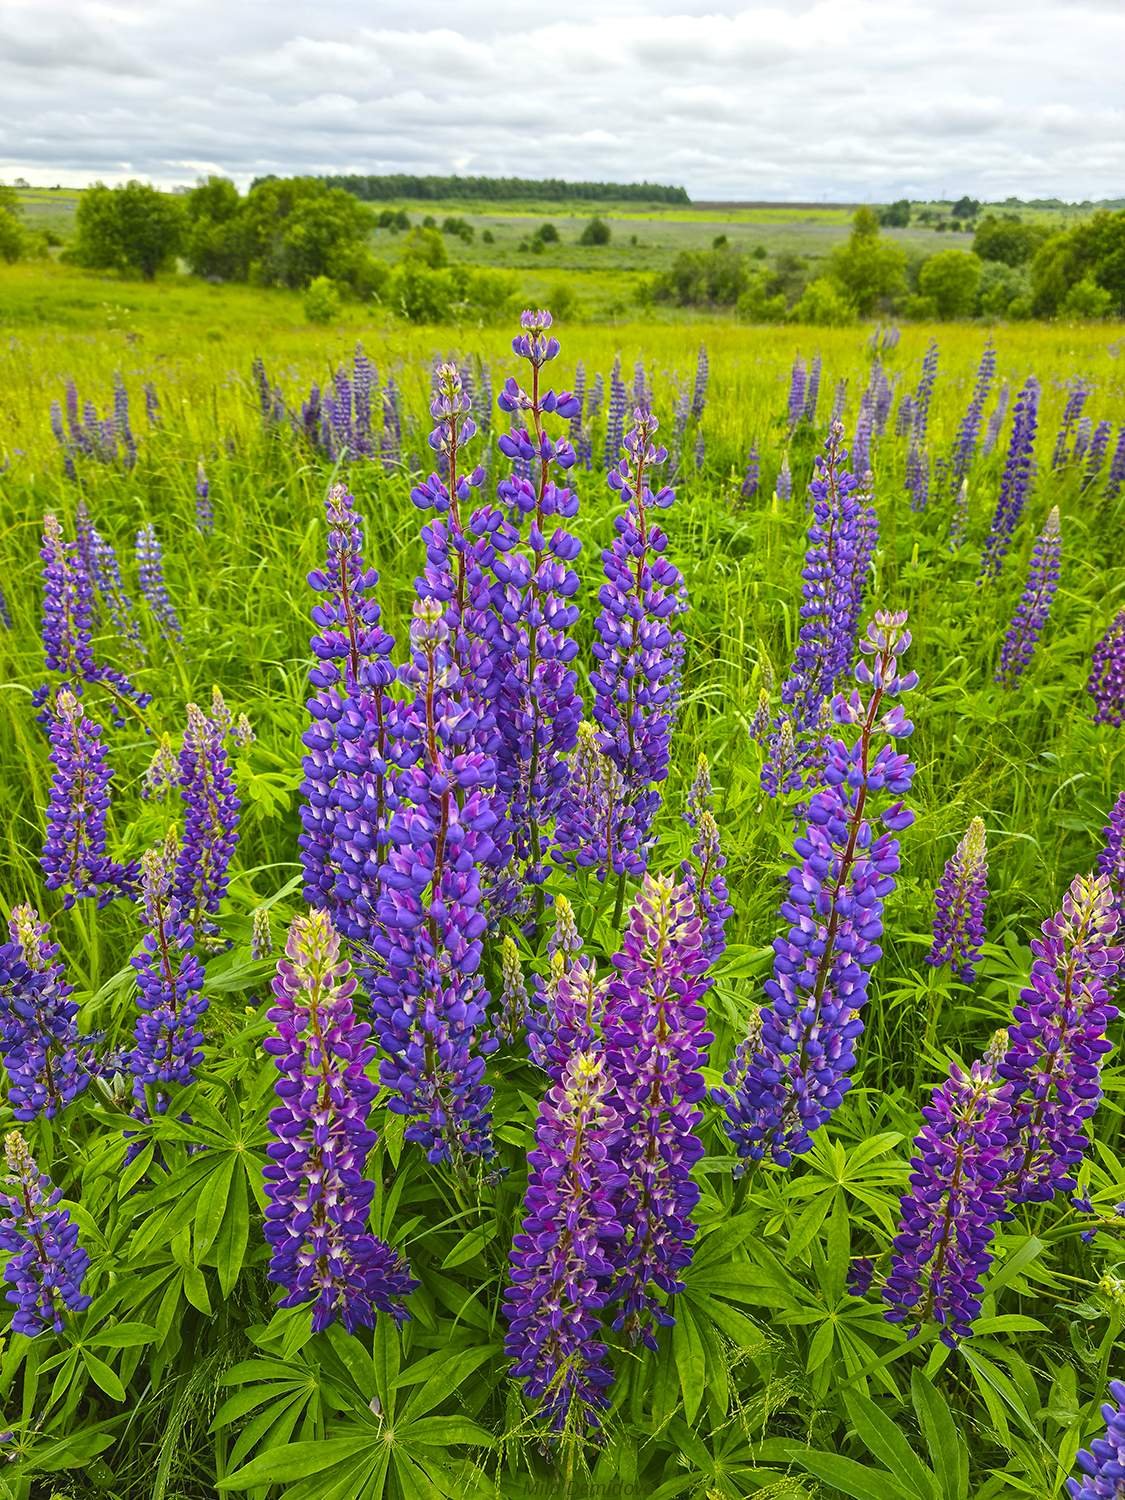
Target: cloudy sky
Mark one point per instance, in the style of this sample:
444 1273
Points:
841 99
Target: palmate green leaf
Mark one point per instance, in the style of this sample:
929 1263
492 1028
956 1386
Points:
441 1373
444 1432
103 1376
211 1206
296 1461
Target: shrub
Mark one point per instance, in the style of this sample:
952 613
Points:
548 234
596 232
129 228
1086 299
951 279
322 300
425 245
821 304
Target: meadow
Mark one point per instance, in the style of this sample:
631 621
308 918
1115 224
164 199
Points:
763 1283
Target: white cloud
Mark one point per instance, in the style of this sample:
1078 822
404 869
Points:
839 99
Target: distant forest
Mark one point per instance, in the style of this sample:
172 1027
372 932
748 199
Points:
496 189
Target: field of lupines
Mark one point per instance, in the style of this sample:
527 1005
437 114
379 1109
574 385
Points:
563 915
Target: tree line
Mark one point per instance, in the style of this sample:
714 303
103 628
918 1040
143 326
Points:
398 185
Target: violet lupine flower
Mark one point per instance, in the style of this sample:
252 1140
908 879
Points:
150 565
594 830
560 1266
1072 411
752 477
121 427
925 391
5 611
959 517
391 445
839 398
861 447
882 398
542 1012
47 1061
656 1042
1095 456
319 1198
615 415
345 803
918 477
170 999
1015 485
812 390
1057 1040
635 647
211 815
1103 1463
74 855
597 394
1034 606
703 873
261 938
1111 860
428 1002
1082 437
204 510
538 706
699 389
1106 684
798 380
959 903
512 1017
105 574
783 488
950 1211
799 1073
904 416
46 1265
969 430
1115 479
996 420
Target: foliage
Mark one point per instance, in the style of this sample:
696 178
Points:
322 300
406 185
1093 251
1008 239
895 215
822 305
130 228
870 270
11 231
596 232
703 278
951 280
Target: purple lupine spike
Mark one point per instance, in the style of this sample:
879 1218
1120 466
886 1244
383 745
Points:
861 446
700 449
5 611
1072 412
204 508
918 477
261 938
615 415
597 395
656 1043
996 420
390 446
1111 860
640 386
578 391
836 559
904 416
46 1265
152 404
74 851
150 565
345 803
564 948
699 389
560 1267
635 646
1034 606
1103 1463
950 1211
968 433
959 517
783 489
1057 1040
798 380
512 1016
798 1075
170 1000
594 830
882 398
1095 455
538 704
925 390
121 429
1015 485
703 873
428 1001
1082 436
1106 684
211 816
752 478
105 574
47 1060
839 399
1115 479
318 1197
812 390
959 903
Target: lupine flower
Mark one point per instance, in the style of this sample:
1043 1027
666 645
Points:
428 1003
959 517
1103 1463
74 853
839 397
152 404
656 1042
753 474
391 446
1034 606
162 771
996 420
1082 437
211 814
46 1265
319 1199
104 572
925 391
121 427
1057 1040
949 1213
1115 479
1015 486
538 705
150 564
615 415
1106 683
918 477
904 416
170 998
861 447
798 379
1072 411
703 873
812 390
511 1020
700 449
798 1075
560 1266
861 1273
783 488
1111 860
635 647
1095 456
597 392
261 938
959 903
699 390
345 807
47 1061
564 948
5 611
594 830
969 431
204 510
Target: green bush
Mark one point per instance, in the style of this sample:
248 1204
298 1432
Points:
1000 286
596 232
425 245
950 279
322 300
821 304
1086 299
548 234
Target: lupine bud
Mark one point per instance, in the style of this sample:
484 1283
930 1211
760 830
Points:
1034 606
753 475
46 1265
959 906
1072 411
261 938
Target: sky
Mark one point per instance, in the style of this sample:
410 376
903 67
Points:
840 100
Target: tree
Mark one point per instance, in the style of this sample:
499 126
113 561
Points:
215 243
1000 286
965 208
868 269
895 215
425 246
297 229
951 278
322 300
596 232
129 228
1007 240
821 304
11 231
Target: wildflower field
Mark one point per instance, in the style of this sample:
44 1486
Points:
562 889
